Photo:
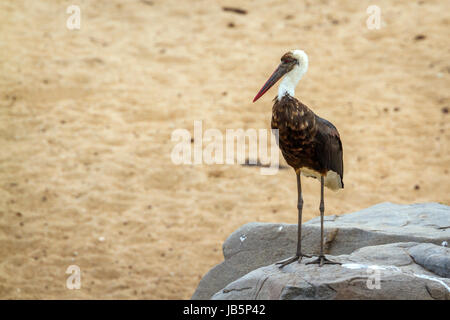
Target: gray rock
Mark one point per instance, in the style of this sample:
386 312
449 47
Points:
423 221
260 244
433 258
375 272
251 246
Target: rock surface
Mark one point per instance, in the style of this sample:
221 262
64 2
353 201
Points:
433 258
374 272
260 244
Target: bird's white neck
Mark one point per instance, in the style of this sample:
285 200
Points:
290 81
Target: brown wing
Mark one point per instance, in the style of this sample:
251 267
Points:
330 152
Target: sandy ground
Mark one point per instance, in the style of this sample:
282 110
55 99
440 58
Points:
86 118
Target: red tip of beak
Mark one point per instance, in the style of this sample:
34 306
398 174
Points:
276 75
257 96
263 90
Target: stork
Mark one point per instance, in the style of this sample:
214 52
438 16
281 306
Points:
310 144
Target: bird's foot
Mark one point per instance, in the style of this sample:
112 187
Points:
321 260
297 257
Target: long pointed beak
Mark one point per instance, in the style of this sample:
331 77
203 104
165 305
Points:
276 75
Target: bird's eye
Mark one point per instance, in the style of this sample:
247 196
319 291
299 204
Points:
289 60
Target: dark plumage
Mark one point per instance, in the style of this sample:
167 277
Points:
308 141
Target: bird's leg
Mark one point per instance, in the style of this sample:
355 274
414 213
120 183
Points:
298 256
321 260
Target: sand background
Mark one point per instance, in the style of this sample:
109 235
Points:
86 118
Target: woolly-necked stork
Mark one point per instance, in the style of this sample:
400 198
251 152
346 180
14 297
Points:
310 144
